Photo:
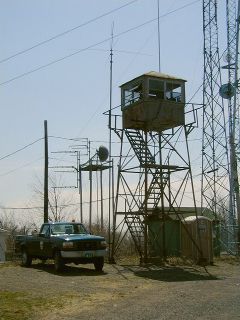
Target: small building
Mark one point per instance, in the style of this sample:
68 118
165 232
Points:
180 232
164 236
199 230
3 238
153 102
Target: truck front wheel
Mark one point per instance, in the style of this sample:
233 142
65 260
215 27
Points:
58 261
26 259
98 263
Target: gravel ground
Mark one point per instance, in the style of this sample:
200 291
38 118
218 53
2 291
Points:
127 291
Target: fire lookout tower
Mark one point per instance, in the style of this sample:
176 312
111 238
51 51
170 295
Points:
154 171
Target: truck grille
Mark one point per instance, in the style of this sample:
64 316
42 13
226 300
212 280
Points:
87 245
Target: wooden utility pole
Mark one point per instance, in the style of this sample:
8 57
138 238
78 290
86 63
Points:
46 173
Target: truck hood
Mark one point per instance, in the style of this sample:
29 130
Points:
80 237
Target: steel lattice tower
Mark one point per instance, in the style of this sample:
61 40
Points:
215 163
232 96
154 170
230 67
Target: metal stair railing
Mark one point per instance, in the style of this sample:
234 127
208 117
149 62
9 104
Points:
134 221
154 190
136 229
137 142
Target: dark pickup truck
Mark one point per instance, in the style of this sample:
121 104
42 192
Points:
64 242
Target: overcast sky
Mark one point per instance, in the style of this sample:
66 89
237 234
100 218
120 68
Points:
66 80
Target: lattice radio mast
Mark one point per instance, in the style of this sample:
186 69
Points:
230 92
215 163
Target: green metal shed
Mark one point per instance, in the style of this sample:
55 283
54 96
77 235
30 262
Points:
164 237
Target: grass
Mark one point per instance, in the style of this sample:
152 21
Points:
175 261
172 261
9 264
24 306
235 260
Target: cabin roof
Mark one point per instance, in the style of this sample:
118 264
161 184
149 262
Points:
155 74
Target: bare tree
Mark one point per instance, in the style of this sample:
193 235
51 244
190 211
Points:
61 206
14 224
7 220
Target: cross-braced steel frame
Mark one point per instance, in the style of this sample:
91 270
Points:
233 110
154 177
216 182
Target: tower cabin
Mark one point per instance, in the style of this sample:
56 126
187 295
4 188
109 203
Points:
153 102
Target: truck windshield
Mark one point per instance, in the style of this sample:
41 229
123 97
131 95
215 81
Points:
68 228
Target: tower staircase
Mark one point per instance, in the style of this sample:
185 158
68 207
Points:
135 221
137 142
136 229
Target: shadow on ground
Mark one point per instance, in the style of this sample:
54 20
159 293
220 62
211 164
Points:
172 274
68 270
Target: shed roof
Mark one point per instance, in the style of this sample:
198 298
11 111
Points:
155 74
194 218
184 212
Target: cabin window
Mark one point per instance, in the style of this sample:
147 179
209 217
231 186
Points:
156 89
173 91
133 93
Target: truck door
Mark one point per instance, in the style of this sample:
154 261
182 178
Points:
45 245
33 245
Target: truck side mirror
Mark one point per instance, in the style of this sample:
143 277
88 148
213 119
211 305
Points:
42 235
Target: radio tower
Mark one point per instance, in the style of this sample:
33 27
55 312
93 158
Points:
215 163
220 187
229 91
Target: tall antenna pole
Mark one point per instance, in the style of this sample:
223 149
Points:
159 39
90 187
110 95
235 114
46 173
110 146
101 201
79 172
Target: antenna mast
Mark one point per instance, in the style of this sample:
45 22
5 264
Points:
159 39
215 163
232 68
111 199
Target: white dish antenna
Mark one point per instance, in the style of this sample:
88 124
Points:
227 91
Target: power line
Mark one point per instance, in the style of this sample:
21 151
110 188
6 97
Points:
28 145
23 166
59 206
63 138
94 45
124 51
66 32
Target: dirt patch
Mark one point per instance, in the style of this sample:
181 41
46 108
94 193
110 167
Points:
39 292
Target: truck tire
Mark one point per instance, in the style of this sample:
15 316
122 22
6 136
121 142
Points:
98 263
58 261
26 258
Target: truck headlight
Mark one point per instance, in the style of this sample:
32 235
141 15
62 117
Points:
67 244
